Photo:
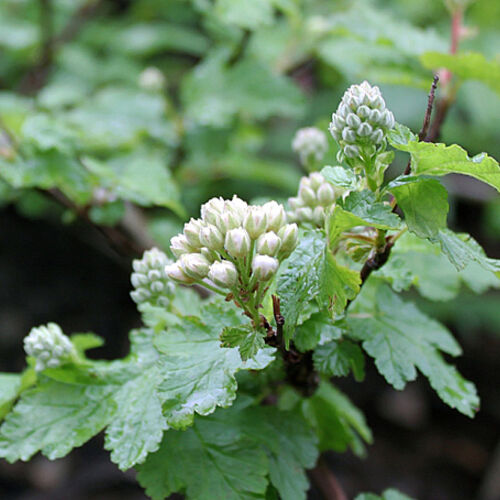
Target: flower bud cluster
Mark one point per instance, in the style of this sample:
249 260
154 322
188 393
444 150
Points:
233 245
150 280
48 345
310 144
315 196
361 122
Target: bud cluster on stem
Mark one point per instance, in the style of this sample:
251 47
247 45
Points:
360 126
315 196
233 249
310 144
149 279
49 346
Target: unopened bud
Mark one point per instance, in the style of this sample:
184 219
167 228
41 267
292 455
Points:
255 222
264 267
237 242
268 244
289 236
180 245
326 194
48 345
275 213
176 273
211 210
194 265
192 231
212 238
223 274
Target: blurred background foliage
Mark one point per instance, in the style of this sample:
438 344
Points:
127 115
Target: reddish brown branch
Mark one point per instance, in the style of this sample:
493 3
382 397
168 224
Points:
326 482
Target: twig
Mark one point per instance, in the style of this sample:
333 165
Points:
325 480
422 135
37 75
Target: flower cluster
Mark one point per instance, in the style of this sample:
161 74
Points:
235 247
48 345
361 122
315 196
310 144
150 280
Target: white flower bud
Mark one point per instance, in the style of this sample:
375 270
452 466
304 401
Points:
212 238
304 214
295 203
237 242
223 274
194 265
319 216
326 194
229 220
175 272
264 267
210 255
192 231
211 210
275 213
48 345
310 143
268 244
255 221
315 180
307 195
180 245
289 236
152 79
237 207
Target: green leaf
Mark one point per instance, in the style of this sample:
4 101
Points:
55 417
248 340
298 279
207 464
418 262
340 176
264 442
214 94
339 358
390 494
318 329
465 65
438 159
85 341
139 177
245 14
50 169
424 203
197 374
402 339
137 427
338 284
337 422
360 209
462 249
10 386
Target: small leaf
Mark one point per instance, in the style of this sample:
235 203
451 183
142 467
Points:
339 358
319 328
438 159
340 176
424 203
390 494
401 339
462 249
248 340
337 422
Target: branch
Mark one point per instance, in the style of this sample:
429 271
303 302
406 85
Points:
326 482
37 75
